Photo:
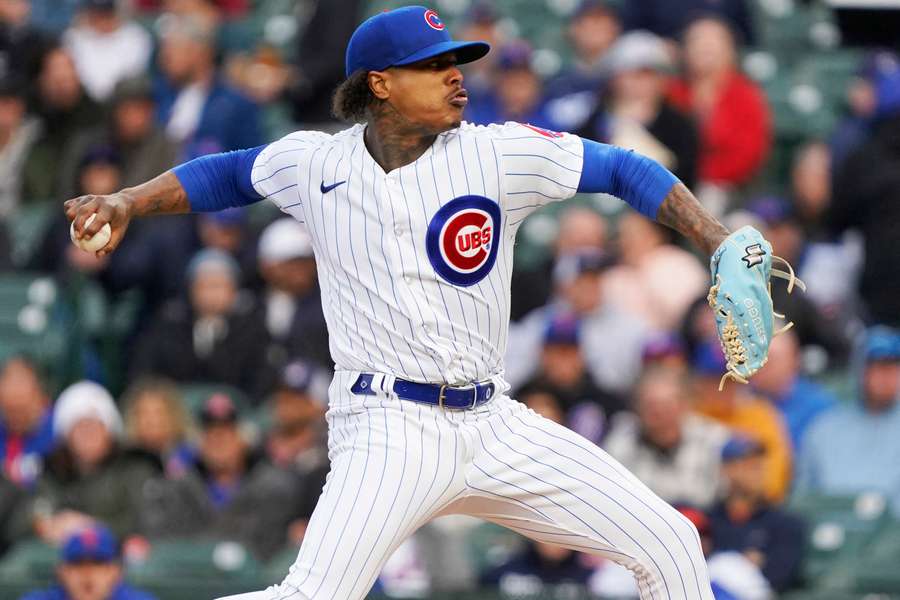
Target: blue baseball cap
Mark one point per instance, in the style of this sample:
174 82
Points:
739 447
95 543
403 36
882 344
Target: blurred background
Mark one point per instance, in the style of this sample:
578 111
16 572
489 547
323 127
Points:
162 410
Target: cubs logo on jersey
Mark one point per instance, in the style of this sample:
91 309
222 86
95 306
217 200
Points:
462 239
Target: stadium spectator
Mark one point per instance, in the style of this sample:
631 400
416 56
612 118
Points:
517 94
26 421
746 521
611 340
297 439
669 18
90 569
291 301
320 58
591 31
655 281
199 110
18 133
65 110
157 422
106 48
539 571
633 112
579 228
811 187
731 110
734 406
481 22
11 500
232 493
800 400
218 334
228 230
871 205
89 476
229 9
132 131
542 401
674 452
563 373
872 96
780 226
20 43
854 448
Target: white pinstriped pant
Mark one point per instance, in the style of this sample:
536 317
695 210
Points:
396 464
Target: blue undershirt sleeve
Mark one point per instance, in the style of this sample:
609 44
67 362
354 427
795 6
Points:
640 181
219 181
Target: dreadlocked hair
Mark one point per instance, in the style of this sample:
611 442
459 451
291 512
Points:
352 97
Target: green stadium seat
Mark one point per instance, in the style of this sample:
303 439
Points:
29 561
26 228
174 568
840 529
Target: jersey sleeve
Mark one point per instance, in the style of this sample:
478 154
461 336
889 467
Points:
276 171
538 166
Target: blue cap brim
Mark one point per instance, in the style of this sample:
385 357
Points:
466 52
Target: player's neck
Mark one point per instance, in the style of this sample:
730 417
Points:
393 141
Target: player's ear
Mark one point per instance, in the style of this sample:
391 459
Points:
379 83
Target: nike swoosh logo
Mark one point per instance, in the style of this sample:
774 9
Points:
327 188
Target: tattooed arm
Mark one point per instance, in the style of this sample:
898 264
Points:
162 195
208 183
682 212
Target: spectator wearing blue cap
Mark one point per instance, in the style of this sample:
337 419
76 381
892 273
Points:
856 447
610 340
90 568
217 334
517 93
563 373
746 521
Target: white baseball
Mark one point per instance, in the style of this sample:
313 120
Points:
94 243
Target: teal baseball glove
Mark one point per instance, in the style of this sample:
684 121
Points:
741 299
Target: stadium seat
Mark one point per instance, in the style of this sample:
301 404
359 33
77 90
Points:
188 570
29 560
840 529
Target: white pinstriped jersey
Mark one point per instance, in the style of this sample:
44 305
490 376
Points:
415 264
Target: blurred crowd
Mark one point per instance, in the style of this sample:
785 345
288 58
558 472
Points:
203 417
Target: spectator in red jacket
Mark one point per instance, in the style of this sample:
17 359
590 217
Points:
731 110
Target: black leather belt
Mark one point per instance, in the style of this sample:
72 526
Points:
444 396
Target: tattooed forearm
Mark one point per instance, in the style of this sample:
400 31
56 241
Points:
162 195
682 212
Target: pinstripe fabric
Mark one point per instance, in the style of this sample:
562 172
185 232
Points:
388 309
396 464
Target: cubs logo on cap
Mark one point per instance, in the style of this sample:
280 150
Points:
433 20
462 239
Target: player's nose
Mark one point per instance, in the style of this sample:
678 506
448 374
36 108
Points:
455 76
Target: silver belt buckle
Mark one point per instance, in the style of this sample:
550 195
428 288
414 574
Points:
442 397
